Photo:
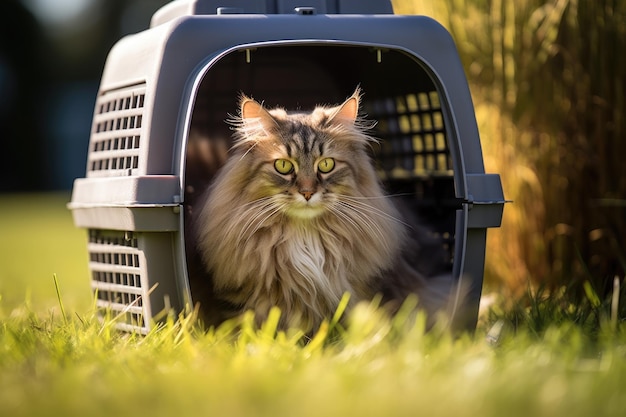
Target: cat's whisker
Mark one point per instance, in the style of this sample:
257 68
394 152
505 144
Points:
269 211
246 211
261 223
345 218
255 142
378 197
364 221
359 205
263 211
256 203
376 211
357 219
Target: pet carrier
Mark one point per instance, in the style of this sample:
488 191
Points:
159 132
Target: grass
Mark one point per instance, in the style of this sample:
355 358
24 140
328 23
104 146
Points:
37 240
56 358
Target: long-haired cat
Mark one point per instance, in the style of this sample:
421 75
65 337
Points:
297 217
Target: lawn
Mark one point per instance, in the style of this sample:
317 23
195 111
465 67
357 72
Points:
542 360
38 241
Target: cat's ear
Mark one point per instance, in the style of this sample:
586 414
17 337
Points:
349 110
253 112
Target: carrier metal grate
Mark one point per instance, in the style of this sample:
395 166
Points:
415 142
414 158
115 264
116 135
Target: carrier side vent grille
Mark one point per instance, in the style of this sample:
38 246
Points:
116 132
116 279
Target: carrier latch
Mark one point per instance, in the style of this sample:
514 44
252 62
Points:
485 200
305 11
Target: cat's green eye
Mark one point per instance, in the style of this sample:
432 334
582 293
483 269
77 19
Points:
283 166
326 165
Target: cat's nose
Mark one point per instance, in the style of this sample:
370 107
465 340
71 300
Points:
306 186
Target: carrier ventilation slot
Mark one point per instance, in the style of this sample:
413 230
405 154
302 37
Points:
116 135
115 264
415 143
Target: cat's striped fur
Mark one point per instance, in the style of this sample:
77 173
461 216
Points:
297 217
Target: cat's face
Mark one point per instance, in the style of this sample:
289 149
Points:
304 163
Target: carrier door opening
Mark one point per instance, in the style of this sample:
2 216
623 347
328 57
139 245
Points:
413 157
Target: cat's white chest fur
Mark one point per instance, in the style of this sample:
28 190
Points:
307 255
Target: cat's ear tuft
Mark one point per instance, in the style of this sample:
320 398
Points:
253 111
349 110
250 109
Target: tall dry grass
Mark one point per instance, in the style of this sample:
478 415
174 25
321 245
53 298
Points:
549 84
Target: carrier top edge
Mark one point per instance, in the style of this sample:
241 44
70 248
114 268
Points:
179 8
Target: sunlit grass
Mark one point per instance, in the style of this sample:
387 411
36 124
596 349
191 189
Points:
544 357
38 240
375 367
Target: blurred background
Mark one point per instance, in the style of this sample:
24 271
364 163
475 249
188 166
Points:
548 78
52 53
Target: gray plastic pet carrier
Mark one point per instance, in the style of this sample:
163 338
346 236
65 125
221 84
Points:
160 118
